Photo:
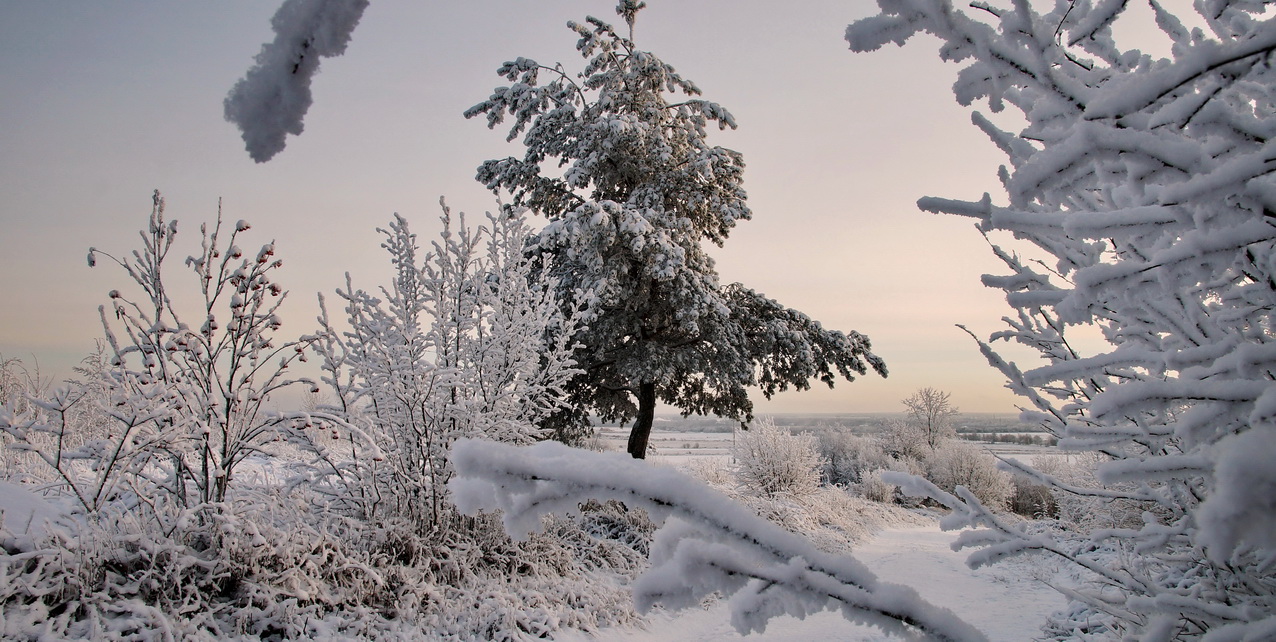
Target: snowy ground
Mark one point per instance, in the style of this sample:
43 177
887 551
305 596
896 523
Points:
1006 603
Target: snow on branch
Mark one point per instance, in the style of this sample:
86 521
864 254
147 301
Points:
271 100
1148 186
711 544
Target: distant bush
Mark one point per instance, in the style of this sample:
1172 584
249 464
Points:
848 457
771 461
903 440
1042 439
1084 511
871 487
959 463
1032 500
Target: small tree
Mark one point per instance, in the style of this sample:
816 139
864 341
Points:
164 416
639 191
469 341
931 413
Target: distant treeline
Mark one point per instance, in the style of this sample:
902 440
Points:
859 423
1023 439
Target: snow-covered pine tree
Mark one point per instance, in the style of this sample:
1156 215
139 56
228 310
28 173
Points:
638 192
1148 184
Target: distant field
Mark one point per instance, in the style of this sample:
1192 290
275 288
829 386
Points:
866 423
700 437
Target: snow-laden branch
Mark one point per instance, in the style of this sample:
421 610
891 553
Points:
1149 186
271 100
712 544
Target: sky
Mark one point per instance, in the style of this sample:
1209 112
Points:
101 103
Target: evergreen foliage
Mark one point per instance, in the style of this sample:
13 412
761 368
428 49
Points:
632 189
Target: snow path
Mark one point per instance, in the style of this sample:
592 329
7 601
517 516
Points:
1003 601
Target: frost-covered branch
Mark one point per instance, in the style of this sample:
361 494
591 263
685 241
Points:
1148 186
188 402
710 544
271 100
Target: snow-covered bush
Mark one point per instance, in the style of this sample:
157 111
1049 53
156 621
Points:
873 488
717 472
1093 508
470 581
848 457
772 461
830 517
22 388
166 415
1031 499
959 463
904 440
17 383
18 386
925 444
1146 185
468 341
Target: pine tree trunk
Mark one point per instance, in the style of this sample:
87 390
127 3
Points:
642 425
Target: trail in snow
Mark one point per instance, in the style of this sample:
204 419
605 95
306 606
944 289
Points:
1005 601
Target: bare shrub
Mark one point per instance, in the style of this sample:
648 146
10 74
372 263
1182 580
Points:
961 464
1032 500
872 488
772 461
848 457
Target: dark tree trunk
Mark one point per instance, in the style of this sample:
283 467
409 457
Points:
642 425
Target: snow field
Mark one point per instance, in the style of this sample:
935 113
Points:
1007 602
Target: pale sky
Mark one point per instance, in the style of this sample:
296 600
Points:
100 103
